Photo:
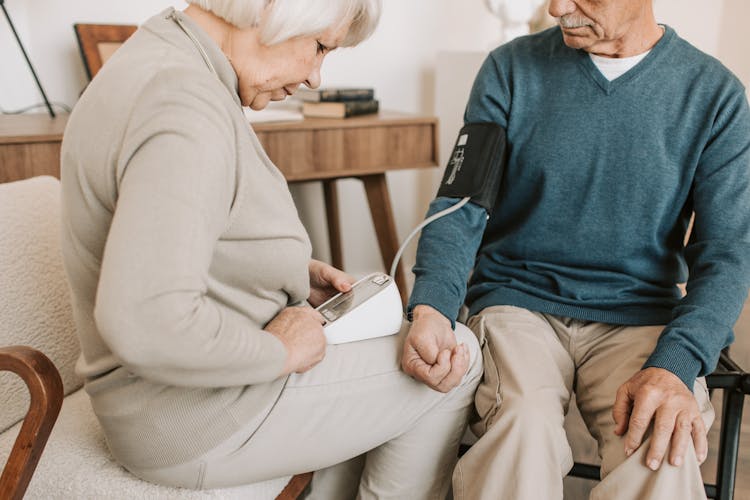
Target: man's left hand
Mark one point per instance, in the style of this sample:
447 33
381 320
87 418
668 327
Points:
326 281
659 395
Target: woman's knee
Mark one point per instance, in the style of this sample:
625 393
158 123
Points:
468 338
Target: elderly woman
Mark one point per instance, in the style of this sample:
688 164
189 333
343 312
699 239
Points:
190 270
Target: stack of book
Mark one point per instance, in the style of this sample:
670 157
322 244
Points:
276 111
337 102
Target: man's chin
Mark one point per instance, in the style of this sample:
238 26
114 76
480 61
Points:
576 41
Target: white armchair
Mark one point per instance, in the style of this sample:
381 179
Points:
35 311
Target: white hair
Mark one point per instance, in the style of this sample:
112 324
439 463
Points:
280 20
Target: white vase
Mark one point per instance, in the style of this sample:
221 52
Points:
514 16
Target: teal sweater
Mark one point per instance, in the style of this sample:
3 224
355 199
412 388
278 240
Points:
601 182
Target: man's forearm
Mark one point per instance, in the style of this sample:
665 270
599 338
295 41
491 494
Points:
445 256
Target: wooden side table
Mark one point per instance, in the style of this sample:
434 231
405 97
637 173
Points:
318 149
30 146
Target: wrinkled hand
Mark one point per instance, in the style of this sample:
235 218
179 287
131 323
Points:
300 329
326 281
659 395
431 354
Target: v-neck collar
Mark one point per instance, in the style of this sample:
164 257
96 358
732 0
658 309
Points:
589 67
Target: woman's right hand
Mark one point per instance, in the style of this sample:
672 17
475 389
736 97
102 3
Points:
300 329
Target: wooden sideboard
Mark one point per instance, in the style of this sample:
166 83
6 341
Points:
324 150
30 146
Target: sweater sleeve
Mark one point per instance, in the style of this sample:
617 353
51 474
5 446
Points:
445 257
448 246
176 181
718 253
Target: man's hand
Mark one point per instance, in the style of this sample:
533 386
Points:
326 281
431 354
659 395
300 329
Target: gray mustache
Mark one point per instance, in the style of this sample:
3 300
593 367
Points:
573 21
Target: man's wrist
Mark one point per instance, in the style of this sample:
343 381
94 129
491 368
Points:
424 311
676 359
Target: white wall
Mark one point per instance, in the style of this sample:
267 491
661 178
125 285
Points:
697 21
16 83
733 48
46 29
399 61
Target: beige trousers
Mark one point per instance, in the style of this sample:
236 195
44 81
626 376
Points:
532 363
356 402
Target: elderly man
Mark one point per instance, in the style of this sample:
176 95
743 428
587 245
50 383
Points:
618 131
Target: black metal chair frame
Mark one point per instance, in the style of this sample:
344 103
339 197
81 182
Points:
735 383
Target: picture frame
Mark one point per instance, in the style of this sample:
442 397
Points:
98 42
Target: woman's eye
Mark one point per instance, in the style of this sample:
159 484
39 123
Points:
322 49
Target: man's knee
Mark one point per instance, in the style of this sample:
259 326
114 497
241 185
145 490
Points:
529 428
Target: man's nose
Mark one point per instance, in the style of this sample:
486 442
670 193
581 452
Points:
559 8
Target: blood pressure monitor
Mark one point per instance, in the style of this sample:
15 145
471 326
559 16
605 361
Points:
372 308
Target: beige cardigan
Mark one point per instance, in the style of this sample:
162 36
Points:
181 242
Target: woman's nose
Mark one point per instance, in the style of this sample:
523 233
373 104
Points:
313 80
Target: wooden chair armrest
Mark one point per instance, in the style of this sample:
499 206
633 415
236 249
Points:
46 395
295 487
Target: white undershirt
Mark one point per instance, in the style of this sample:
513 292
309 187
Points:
613 67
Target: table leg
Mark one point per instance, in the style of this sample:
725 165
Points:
331 196
385 225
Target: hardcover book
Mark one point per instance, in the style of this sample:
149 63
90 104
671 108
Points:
339 109
332 94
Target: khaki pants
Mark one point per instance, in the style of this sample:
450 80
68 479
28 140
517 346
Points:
532 363
356 401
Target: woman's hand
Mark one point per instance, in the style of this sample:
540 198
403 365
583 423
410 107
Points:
326 281
300 329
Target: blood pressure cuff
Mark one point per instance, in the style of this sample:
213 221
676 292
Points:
476 165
